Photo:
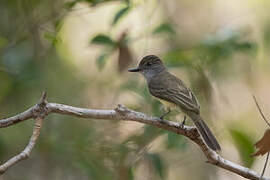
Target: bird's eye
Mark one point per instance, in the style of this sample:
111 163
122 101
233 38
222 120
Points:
148 64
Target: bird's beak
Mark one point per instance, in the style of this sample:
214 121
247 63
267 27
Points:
137 69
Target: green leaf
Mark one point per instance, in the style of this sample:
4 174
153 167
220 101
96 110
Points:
130 173
70 4
244 145
157 164
97 2
101 60
58 25
164 28
223 45
121 13
51 37
103 39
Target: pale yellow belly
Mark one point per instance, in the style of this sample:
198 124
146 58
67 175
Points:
168 104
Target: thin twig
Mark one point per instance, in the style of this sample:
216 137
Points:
265 164
260 110
267 122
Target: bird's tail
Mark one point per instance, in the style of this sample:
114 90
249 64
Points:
205 132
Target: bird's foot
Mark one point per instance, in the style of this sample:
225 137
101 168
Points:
165 114
183 122
161 119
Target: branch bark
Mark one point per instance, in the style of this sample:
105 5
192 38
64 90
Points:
43 108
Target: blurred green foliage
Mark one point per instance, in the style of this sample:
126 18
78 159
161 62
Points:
244 144
164 28
120 14
103 39
76 149
110 46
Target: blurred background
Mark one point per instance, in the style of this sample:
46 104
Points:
78 51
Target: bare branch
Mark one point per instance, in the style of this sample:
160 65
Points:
18 118
28 149
122 113
37 110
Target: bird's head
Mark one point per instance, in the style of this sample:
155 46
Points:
149 66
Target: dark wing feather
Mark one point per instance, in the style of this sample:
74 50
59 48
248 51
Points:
168 87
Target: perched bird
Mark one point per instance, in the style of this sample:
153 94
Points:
172 92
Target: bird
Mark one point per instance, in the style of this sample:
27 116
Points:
172 92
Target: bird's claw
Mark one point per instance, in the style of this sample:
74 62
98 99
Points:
165 114
161 119
183 122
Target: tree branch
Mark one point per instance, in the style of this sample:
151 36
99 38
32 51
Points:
44 108
28 149
36 131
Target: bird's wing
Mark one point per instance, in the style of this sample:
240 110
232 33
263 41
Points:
172 89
